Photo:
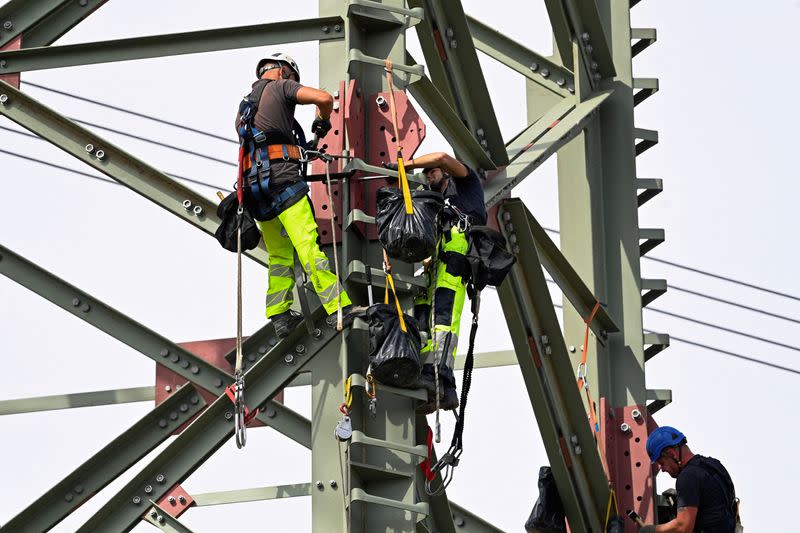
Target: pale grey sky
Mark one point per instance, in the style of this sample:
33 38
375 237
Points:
726 155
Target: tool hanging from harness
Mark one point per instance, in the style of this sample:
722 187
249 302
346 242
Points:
255 154
489 262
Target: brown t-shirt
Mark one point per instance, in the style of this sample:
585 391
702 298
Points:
275 117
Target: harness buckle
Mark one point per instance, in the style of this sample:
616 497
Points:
285 150
259 138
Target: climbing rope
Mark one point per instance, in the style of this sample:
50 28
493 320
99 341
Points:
333 238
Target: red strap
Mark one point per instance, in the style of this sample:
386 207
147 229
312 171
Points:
585 346
248 415
239 178
426 464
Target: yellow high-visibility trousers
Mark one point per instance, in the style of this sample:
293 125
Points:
296 229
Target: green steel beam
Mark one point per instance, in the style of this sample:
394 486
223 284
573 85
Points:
449 124
541 140
466 522
252 495
454 68
164 521
17 16
209 431
59 21
550 379
579 21
46 57
537 68
569 281
562 32
107 464
77 399
113 162
146 341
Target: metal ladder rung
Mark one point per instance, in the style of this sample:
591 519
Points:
647 87
647 139
650 187
421 509
656 342
644 37
652 237
419 450
653 288
660 399
357 380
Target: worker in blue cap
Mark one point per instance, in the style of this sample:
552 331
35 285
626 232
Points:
706 500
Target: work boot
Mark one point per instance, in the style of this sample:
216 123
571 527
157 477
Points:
448 397
349 313
286 322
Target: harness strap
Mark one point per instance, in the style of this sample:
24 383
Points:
582 378
387 266
426 464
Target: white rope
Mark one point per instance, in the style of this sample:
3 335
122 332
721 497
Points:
335 255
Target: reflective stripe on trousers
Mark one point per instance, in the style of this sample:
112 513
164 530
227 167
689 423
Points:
300 230
448 305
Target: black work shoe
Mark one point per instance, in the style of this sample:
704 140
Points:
426 380
448 401
349 313
286 322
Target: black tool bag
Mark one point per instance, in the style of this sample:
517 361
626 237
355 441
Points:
410 238
548 513
393 353
488 259
226 232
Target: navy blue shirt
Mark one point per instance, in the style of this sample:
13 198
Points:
466 194
704 483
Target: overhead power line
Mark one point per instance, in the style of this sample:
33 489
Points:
722 351
710 274
88 175
130 112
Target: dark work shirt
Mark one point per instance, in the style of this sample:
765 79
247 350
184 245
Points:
467 195
275 117
698 485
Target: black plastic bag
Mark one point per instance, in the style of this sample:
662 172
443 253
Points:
616 524
229 225
393 354
548 513
487 256
410 238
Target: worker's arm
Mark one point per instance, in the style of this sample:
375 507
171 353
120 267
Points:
442 160
322 99
684 523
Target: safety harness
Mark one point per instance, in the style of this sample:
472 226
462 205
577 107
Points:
255 153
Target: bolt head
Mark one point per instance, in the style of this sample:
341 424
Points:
160 519
544 72
8 25
289 359
217 383
333 484
484 144
320 485
171 500
589 48
571 349
197 210
228 415
86 308
194 399
153 514
337 28
164 352
173 415
148 489
625 428
182 499
317 333
168 388
187 204
534 66
585 36
300 348
459 521
195 369
636 414
83 3
561 82
596 76
136 500
89 148
78 489
183 408
3 63
271 413
326 29
69 497
100 154
162 423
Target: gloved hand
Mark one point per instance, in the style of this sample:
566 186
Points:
648 529
320 127
390 166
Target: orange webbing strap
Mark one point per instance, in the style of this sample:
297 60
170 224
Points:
387 266
582 383
401 169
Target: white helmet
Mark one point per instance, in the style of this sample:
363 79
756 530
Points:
280 58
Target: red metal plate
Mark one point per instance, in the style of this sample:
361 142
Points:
212 351
332 143
176 501
12 79
628 463
382 145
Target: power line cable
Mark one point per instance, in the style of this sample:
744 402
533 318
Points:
157 143
86 174
711 325
200 132
710 274
734 304
130 112
722 351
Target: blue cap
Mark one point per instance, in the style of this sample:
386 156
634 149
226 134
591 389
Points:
661 438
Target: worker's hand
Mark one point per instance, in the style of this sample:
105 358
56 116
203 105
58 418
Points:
648 529
390 166
320 127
